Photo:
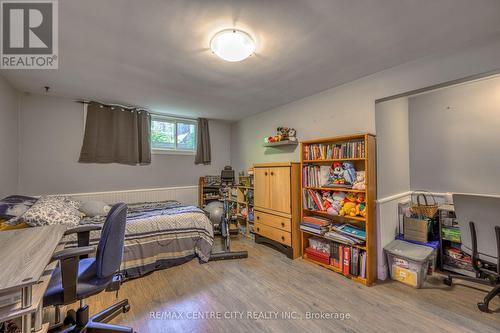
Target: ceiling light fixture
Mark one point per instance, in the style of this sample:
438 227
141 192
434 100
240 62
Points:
232 45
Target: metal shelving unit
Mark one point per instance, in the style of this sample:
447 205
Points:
447 220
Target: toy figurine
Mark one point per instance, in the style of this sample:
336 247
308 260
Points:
349 205
349 172
359 184
337 174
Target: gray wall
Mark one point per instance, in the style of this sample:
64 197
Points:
9 103
350 108
393 160
455 139
50 141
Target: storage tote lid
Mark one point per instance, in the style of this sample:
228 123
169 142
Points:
408 250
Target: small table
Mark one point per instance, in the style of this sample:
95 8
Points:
24 266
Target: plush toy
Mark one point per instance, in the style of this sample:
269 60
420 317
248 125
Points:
361 209
349 205
349 173
327 200
292 133
360 206
359 184
336 176
336 204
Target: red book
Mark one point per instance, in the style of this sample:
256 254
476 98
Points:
347 259
316 220
315 198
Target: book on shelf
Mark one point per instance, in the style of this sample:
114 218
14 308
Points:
362 264
328 151
312 200
314 230
347 260
354 262
315 175
336 260
341 238
322 221
350 230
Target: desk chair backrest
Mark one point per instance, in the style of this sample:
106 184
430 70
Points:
110 249
484 211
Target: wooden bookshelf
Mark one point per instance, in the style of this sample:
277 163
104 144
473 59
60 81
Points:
243 201
367 163
207 192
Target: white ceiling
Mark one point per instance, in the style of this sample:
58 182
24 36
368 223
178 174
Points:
155 53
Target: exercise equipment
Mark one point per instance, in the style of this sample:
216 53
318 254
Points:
227 181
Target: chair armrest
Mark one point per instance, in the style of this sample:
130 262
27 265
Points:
82 228
68 260
74 252
83 233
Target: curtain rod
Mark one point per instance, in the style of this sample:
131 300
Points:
135 107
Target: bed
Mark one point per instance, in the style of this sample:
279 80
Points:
157 235
160 235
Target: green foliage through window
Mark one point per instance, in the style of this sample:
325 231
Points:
172 134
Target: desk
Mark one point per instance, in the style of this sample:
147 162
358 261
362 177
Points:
24 266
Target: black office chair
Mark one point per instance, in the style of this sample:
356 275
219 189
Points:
79 277
479 221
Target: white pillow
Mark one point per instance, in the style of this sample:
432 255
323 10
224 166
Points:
95 208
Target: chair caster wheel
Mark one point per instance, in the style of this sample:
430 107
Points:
70 318
126 308
483 307
447 281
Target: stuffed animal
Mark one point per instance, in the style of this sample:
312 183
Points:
336 204
327 199
348 205
349 173
336 174
360 206
361 209
292 133
359 184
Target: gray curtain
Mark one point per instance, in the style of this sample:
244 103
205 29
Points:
203 153
116 135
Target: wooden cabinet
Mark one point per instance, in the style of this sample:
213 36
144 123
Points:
261 189
279 189
272 188
277 206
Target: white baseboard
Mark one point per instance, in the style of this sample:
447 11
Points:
185 194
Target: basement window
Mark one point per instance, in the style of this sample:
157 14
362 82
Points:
173 136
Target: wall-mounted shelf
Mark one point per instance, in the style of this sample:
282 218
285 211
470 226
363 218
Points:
281 143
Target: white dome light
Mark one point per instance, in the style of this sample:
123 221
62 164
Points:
232 45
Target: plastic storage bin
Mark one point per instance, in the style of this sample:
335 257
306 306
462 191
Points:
408 263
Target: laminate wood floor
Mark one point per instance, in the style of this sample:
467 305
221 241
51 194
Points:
267 287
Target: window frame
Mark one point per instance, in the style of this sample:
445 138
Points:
175 121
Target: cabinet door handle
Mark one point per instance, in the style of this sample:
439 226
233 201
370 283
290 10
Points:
272 173
258 229
258 217
282 238
265 173
282 224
